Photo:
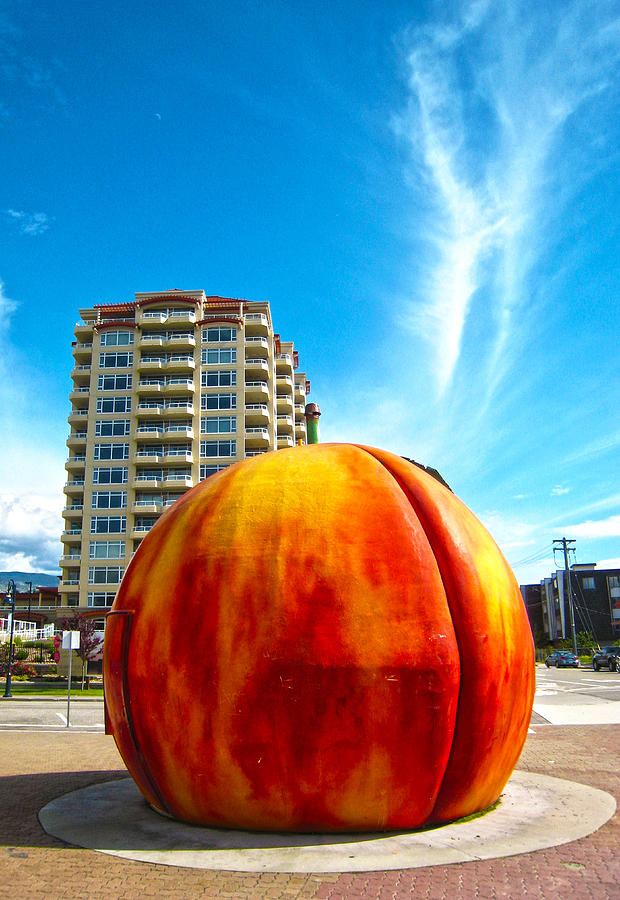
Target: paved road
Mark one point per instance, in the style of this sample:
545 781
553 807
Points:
51 714
576 697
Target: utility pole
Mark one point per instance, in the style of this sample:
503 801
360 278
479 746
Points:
563 544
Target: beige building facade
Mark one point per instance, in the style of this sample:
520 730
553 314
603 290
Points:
167 389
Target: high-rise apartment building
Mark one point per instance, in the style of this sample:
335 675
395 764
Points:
167 389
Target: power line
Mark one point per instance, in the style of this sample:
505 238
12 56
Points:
536 556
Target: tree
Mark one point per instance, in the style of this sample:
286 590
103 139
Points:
89 642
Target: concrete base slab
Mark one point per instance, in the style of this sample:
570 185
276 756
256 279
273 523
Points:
535 811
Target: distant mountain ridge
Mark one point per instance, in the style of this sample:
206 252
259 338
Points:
21 579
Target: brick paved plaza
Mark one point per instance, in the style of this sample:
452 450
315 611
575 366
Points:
38 766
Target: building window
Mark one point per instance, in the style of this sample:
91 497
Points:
613 581
218 448
113 475
223 378
219 335
105 574
114 382
106 550
113 404
111 451
588 583
108 524
218 401
205 471
218 425
221 355
115 360
116 338
109 499
144 523
111 428
100 598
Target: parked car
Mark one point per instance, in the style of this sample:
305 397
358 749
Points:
608 656
562 659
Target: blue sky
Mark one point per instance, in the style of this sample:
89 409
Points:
425 192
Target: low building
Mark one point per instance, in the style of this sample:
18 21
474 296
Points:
596 600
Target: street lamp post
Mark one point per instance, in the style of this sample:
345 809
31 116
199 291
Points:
10 601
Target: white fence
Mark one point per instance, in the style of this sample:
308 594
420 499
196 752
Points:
25 631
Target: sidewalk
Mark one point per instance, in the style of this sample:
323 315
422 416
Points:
37 767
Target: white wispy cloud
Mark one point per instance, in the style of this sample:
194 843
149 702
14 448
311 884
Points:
30 223
492 88
559 490
596 528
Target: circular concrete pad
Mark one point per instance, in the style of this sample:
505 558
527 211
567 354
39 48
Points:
535 811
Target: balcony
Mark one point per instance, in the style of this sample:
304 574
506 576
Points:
151 317
285 440
78 417
138 531
178 316
150 410
147 506
77 439
82 350
70 559
256 324
79 394
149 364
73 511
184 481
178 363
181 342
150 387
283 382
300 390
67 583
284 403
174 432
75 463
83 331
180 385
148 457
256 364
284 363
256 437
285 424
149 433
150 340
300 431
250 453
145 481
174 457
74 487
257 414
81 374
70 535
256 390
179 408
257 346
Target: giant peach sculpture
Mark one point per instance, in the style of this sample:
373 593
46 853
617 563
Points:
322 638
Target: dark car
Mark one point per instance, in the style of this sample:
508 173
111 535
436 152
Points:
608 656
562 659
